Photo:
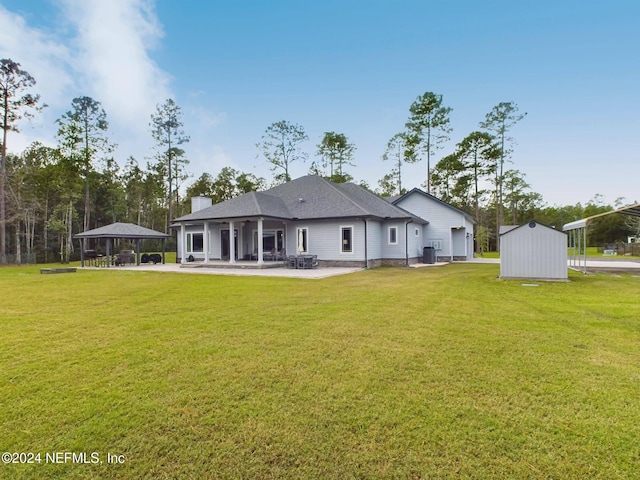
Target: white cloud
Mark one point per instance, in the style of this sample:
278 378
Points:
39 53
112 50
99 49
47 61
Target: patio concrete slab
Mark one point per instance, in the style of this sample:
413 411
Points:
315 273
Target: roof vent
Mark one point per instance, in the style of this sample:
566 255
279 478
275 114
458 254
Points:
301 200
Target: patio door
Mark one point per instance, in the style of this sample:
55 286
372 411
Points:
224 243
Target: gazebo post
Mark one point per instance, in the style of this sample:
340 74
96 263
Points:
82 252
108 253
163 240
138 252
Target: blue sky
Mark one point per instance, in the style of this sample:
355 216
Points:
352 67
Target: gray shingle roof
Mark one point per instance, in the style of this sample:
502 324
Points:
252 204
122 230
305 198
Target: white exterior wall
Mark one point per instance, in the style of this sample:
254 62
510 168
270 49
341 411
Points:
396 250
442 219
324 239
416 243
539 252
374 240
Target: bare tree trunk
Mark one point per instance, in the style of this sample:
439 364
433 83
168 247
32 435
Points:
18 259
69 232
46 230
3 177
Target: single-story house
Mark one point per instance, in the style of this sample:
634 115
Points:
343 224
533 250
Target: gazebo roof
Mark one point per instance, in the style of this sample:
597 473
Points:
122 230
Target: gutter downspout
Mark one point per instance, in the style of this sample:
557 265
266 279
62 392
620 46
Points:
366 253
406 243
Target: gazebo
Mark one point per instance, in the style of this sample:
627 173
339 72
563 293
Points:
128 231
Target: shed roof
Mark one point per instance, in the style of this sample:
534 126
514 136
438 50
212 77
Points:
122 230
531 224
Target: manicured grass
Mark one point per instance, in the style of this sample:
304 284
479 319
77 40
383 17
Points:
488 255
444 372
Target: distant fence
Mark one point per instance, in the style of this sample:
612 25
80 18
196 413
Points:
621 248
25 259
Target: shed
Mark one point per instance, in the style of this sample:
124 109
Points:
533 250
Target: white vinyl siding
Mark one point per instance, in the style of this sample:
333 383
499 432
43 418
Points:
393 250
393 235
323 240
538 252
443 221
346 239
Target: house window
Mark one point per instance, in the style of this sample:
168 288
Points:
302 235
195 242
393 235
346 239
272 241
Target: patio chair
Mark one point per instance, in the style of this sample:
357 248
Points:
291 262
310 261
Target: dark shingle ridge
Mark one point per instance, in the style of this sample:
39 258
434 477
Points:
305 198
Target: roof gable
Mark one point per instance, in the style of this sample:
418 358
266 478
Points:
417 191
532 224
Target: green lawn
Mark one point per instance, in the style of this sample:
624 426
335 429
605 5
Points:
443 372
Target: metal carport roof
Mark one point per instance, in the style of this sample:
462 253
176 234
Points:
633 210
578 234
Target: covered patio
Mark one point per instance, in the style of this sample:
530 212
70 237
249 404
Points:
126 231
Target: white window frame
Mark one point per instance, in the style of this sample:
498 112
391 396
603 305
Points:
341 246
389 235
254 237
189 242
306 234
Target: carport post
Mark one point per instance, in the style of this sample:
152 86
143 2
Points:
138 251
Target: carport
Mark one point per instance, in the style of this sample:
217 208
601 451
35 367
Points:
577 232
127 231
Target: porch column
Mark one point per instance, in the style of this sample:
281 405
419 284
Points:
260 253
183 244
205 242
232 243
